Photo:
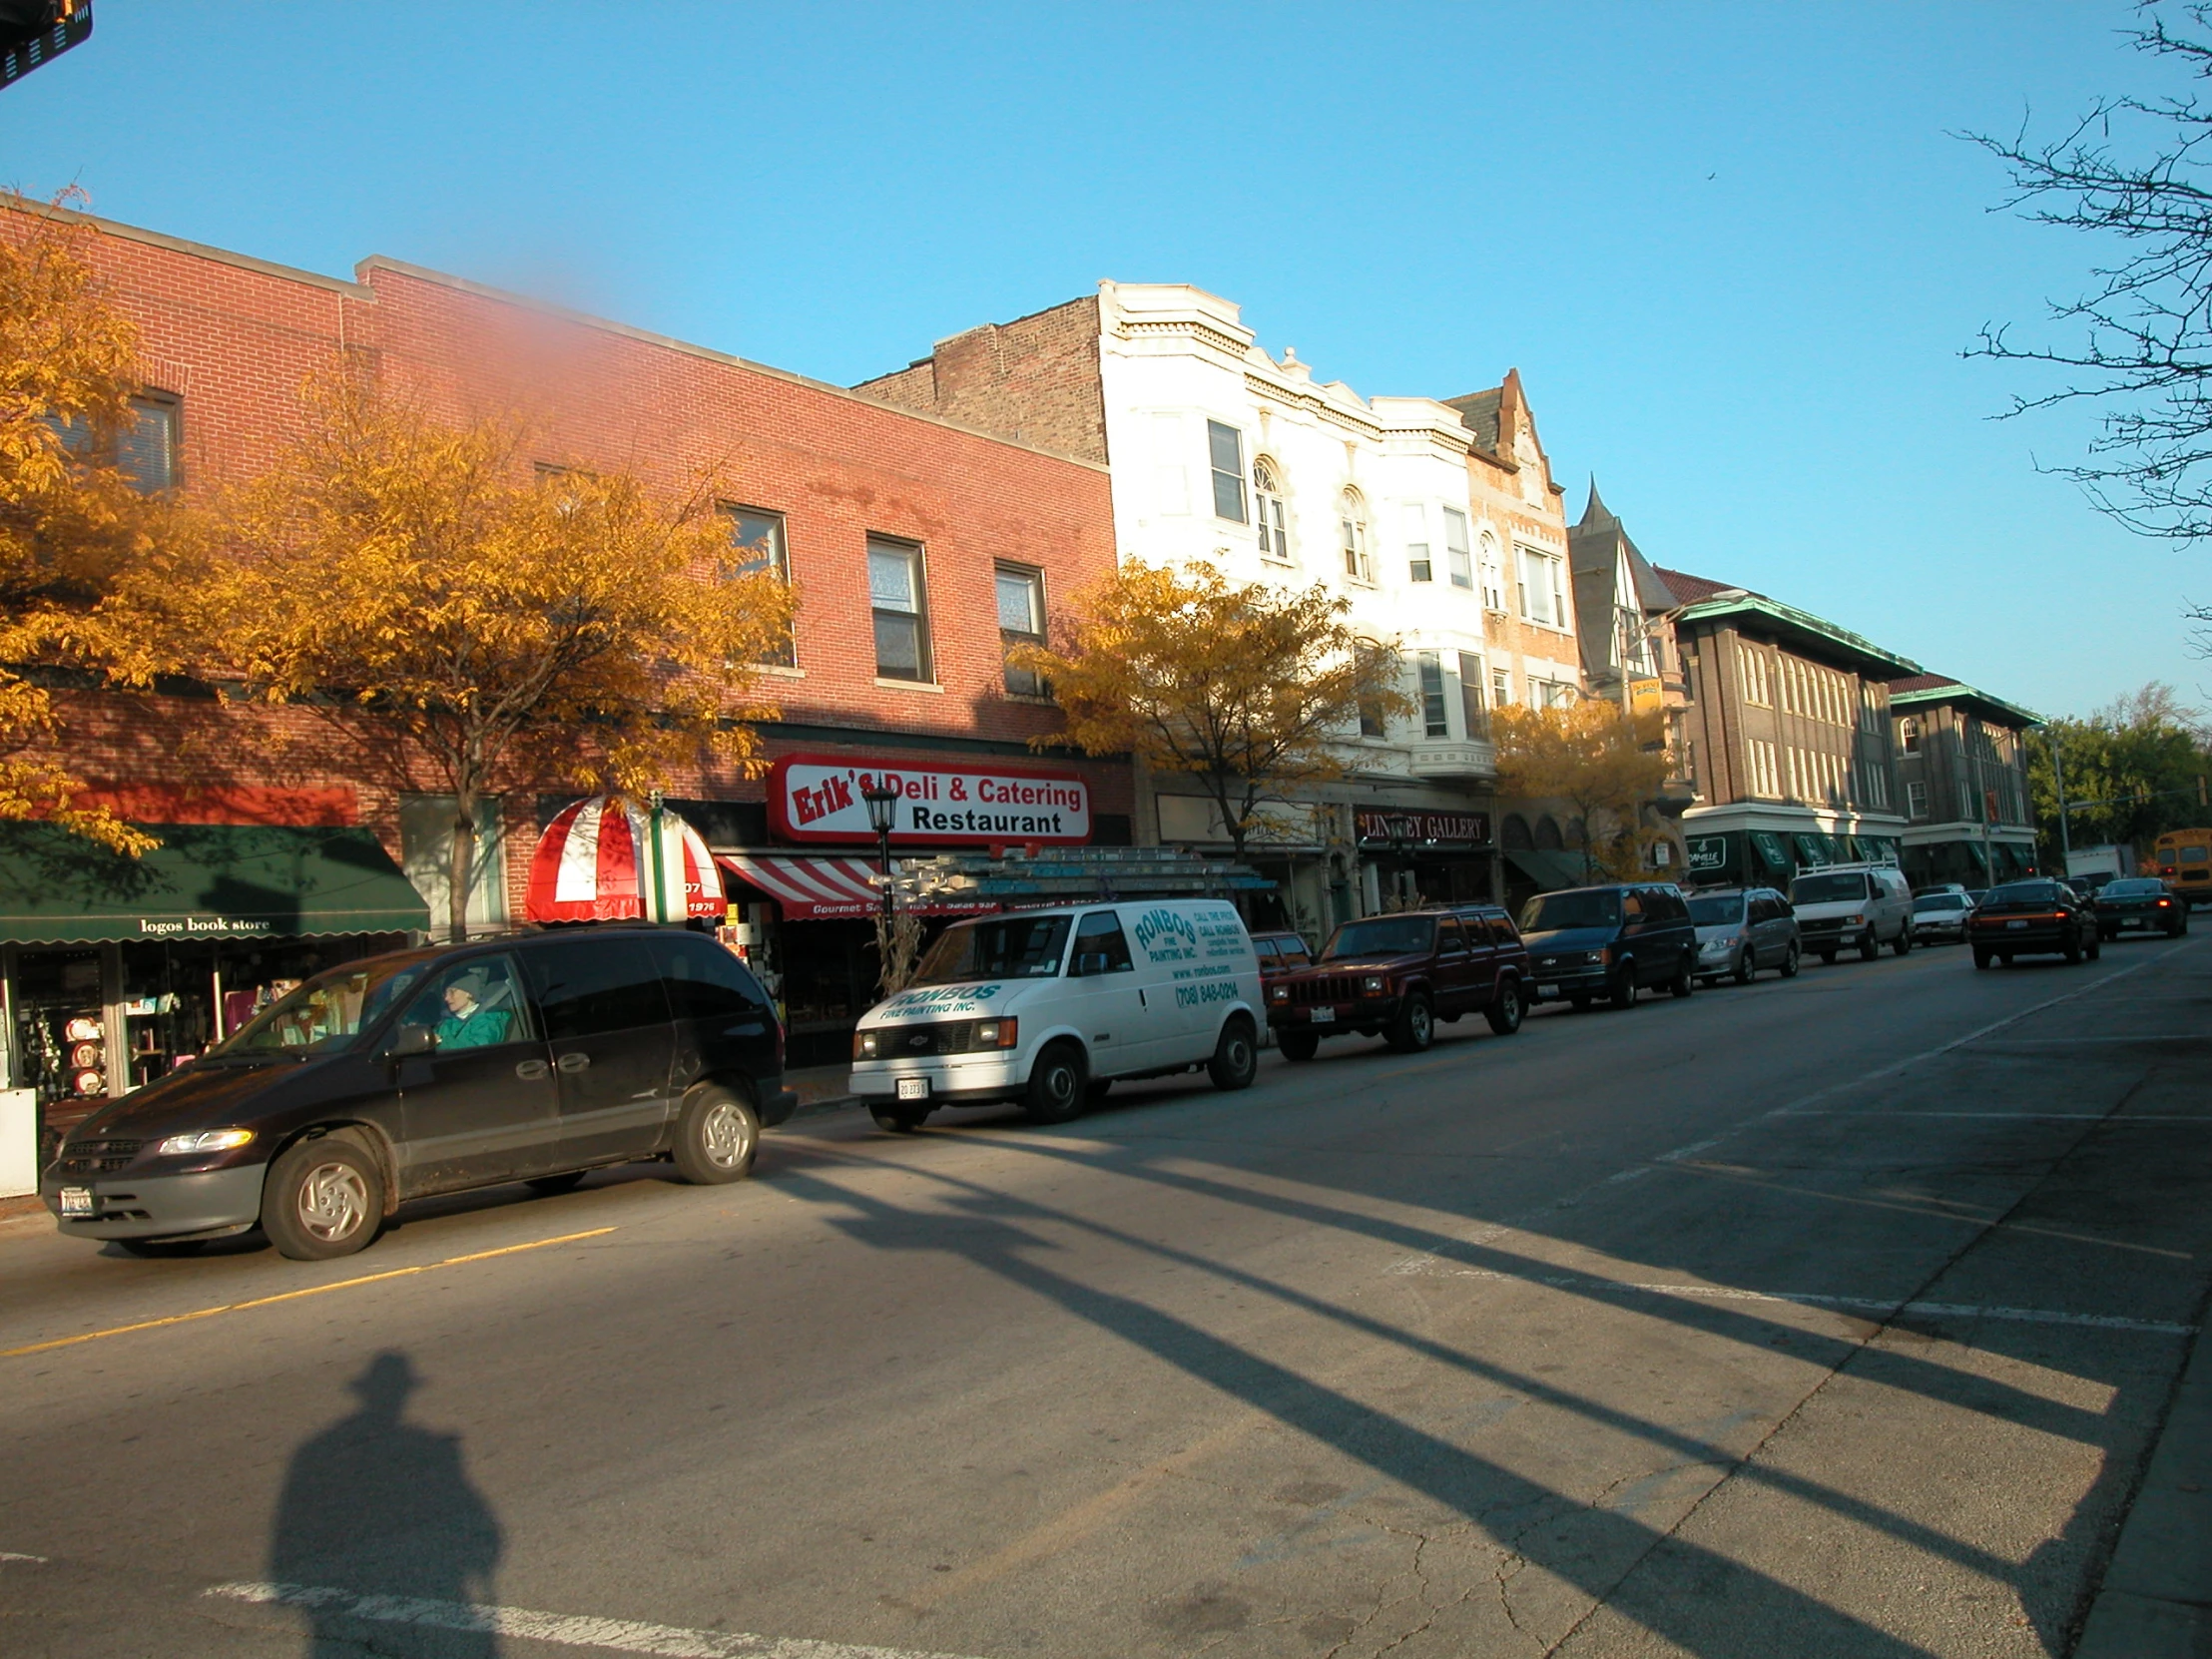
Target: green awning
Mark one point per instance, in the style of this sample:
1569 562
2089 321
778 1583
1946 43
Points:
1768 847
1552 870
205 881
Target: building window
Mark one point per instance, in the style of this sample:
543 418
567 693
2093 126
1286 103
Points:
1226 445
1435 711
1765 779
1371 723
1757 688
895 594
1352 522
146 451
1470 696
1267 510
757 538
1021 622
1540 596
1493 575
1458 559
1966 806
1417 565
1501 687
1876 778
1916 800
426 855
1908 731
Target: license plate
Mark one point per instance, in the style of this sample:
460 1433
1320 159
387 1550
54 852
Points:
2012 925
1547 990
76 1201
913 1088
1324 1016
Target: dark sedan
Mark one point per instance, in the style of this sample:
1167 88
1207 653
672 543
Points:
2140 904
2032 919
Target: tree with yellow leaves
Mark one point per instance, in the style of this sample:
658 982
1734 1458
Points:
1250 690
70 522
474 624
1605 764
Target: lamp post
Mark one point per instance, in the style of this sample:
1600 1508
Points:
882 807
1400 829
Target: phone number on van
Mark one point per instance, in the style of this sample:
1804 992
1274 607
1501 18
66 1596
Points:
1211 991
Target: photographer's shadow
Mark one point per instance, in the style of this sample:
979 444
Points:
378 1508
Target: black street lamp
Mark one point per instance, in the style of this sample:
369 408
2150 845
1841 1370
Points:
882 809
1399 830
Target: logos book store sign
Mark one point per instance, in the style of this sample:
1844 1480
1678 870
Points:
816 798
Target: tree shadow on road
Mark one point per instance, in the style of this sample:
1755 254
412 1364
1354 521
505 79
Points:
374 1510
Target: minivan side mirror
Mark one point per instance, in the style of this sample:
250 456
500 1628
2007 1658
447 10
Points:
1090 962
410 1040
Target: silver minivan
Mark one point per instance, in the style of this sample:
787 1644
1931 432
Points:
1743 930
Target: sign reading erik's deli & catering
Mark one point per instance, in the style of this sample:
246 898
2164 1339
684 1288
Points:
816 798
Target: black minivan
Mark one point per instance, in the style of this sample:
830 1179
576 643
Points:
533 1058
1588 942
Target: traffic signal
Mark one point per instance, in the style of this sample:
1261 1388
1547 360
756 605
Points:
32 30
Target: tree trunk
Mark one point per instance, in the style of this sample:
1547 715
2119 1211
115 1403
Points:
462 867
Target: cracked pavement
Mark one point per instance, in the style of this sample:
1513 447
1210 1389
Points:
1779 1320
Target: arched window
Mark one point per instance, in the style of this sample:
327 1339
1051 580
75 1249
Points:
1352 515
1548 838
1910 729
1513 834
1268 512
1492 575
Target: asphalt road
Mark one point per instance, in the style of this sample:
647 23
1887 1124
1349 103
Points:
1833 1317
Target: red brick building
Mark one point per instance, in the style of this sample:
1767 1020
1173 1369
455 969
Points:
917 544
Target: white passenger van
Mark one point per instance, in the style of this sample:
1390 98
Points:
1049 1007
1842 906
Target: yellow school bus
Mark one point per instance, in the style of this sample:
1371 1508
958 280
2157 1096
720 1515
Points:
2184 858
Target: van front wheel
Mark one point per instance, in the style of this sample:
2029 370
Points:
1236 1058
717 1135
1298 1045
1057 1085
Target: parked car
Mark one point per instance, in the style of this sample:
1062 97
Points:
534 1058
1588 942
2140 903
1847 906
1050 1006
1395 976
2030 919
1940 917
1279 953
1743 930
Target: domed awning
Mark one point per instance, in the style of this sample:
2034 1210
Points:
599 861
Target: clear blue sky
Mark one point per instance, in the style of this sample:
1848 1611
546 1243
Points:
1730 249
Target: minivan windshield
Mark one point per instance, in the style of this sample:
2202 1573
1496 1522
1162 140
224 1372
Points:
1550 912
1004 947
1718 912
1829 890
1382 937
1930 901
327 1013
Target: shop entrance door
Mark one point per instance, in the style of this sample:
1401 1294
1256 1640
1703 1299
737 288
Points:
481 1106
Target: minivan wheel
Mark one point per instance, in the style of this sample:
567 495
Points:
1505 1010
1790 961
323 1197
1622 993
716 1135
1298 1045
1056 1085
1747 967
1414 1028
1236 1058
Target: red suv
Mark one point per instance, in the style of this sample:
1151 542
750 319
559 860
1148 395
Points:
1395 976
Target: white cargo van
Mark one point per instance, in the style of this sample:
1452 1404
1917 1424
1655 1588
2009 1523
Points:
1049 1007
1846 906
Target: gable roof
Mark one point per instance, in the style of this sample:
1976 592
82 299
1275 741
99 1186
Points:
1478 414
1689 590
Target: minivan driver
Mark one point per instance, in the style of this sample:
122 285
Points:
468 1023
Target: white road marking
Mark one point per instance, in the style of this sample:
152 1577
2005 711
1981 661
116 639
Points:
10 1555
617 1635
2069 1042
1428 1266
2136 1119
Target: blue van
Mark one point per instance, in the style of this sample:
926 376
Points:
1609 941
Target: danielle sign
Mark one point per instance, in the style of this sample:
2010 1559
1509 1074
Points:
818 797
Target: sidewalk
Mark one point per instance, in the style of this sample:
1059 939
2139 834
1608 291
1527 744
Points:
2157 1598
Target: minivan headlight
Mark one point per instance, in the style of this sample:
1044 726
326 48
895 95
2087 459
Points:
866 1046
204 1140
1004 1032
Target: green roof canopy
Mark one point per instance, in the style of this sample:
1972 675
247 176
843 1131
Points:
1551 870
205 881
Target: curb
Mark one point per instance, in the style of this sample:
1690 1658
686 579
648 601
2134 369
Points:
2154 1602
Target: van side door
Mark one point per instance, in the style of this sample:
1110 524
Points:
480 1106
724 1025
1118 1023
608 1029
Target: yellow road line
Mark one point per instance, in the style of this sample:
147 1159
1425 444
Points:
294 1295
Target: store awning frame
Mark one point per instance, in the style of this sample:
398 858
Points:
820 888
205 881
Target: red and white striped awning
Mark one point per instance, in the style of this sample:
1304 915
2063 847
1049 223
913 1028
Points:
822 889
596 862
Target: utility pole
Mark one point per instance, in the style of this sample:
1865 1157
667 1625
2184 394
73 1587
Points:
2058 781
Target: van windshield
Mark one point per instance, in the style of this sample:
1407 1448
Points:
1552 913
1005 947
1828 890
1384 936
1719 911
327 1013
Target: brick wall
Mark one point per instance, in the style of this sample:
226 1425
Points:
1034 379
